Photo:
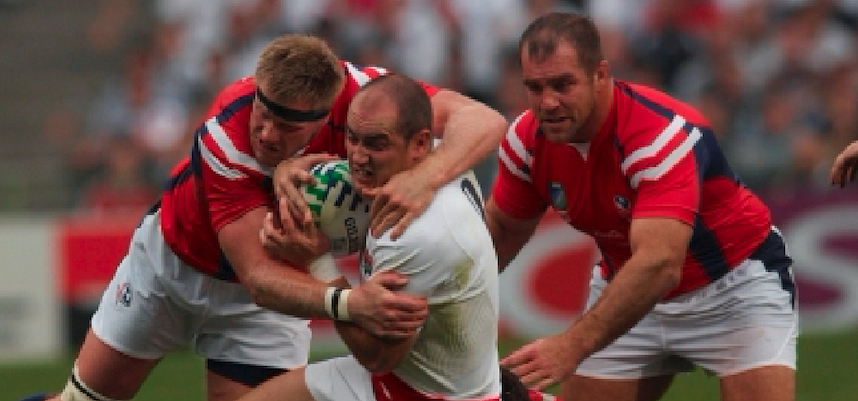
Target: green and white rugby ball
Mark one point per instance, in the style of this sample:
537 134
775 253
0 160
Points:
339 211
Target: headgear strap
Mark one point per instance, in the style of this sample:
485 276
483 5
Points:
290 114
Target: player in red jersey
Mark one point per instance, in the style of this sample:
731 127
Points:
843 169
692 271
196 272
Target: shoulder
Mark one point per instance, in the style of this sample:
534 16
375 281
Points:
457 202
224 141
523 128
645 105
242 88
360 75
458 206
517 149
521 137
355 77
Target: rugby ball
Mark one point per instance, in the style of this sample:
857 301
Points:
339 211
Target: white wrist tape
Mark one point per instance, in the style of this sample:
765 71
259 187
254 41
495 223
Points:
342 306
324 268
336 303
329 296
77 390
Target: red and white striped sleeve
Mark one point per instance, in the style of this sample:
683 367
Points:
513 190
661 165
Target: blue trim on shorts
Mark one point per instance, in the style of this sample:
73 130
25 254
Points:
772 252
249 375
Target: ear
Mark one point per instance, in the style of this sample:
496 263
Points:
421 143
602 74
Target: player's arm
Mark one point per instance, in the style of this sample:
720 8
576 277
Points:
376 354
282 286
470 130
843 169
658 250
659 247
273 283
509 234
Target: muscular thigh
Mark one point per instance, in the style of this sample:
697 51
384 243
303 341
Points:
581 388
768 383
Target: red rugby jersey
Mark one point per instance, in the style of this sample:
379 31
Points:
221 180
654 156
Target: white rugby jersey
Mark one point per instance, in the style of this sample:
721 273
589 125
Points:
448 256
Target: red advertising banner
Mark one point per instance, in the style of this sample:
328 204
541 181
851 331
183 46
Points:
89 249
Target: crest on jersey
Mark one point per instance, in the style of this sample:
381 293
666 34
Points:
624 206
123 295
557 196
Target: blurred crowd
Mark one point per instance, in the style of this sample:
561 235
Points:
778 79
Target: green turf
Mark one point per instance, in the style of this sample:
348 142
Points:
828 371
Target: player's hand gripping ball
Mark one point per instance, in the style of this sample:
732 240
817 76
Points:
339 211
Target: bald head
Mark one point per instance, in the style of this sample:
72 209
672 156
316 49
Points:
410 103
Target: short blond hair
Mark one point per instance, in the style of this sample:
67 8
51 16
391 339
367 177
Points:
297 67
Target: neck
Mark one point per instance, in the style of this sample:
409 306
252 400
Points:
601 108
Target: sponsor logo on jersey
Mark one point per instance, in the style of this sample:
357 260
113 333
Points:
123 295
353 235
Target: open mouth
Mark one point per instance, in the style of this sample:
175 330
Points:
362 173
269 147
362 176
554 120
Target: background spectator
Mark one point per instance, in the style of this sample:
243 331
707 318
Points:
778 78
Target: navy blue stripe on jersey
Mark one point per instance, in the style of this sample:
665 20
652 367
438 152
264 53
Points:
195 167
709 157
178 178
196 162
665 112
705 249
225 113
716 165
772 252
234 106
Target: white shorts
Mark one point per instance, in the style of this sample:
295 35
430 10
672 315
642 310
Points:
341 378
744 320
344 378
155 303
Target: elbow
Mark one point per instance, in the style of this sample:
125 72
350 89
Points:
496 123
489 119
670 274
256 287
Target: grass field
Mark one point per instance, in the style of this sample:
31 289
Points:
828 371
